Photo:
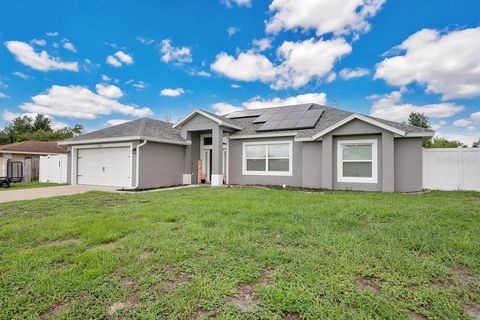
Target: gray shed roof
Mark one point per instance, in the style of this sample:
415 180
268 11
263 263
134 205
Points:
144 127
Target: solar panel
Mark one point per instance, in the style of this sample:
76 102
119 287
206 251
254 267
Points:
305 123
279 116
245 114
286 124
263 118
269 125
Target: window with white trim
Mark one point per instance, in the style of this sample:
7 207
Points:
267 158
357 161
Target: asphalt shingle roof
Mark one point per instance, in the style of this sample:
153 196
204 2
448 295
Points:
46 147
144 127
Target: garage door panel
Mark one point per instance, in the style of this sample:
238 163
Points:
104 166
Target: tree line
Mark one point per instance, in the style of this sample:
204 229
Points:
39 129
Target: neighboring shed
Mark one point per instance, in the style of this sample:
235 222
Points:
28 152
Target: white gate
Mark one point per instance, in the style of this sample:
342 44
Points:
53 169
451 169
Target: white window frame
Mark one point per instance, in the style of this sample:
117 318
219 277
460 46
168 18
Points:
374 161
245 172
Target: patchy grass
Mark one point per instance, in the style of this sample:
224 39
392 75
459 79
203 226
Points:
241 253
30 185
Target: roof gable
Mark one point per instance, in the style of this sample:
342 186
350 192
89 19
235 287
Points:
222 121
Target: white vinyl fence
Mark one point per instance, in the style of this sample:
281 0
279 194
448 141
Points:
451 169
53 169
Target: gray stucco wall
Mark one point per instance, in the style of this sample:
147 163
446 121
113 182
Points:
235 169
160 165
198 123
408 164
312 165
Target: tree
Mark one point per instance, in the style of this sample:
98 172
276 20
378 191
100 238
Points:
442 143
418 119
476 144
39 129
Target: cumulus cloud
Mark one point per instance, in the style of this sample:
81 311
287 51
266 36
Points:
119 58
347 73
178 55
79 102
462 123
172 92
390 106
202 73
52 34
3 95
38 42
68 45
231 31
262 44
111 60
260 103
306 60
109 91
324 16
54 124
21 75
41 61
248 66
239 3
300 62
115 122
446 63
466 139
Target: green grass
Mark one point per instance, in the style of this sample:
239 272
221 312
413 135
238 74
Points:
185 253
30 185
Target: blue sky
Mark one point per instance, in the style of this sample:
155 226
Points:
99 63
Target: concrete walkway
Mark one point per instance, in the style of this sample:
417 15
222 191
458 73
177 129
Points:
36 193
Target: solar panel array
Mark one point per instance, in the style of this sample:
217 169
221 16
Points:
282 118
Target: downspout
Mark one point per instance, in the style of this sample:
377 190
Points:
137 160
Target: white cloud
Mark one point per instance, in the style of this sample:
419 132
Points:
172 92
446 64
79 102
240 3
115 122
3 95
231 31
235 86
224 108
331 77
124 57
248 66
145 40
324 16
466 139
21 75
105 77
260 103
54 124
475 116
178 55
68 45
202 73
52 34
347 73
462 123
42 61
109 91
306 60
111 60
300 63
262 44
140 85
38 42
389 106
440 124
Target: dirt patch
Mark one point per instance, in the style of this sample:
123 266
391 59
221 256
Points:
61 242
108 245
369 283
200 314
266 278
444 284
245 301
56 308
291 316
179 278
117 306
474 311
415 316
462 275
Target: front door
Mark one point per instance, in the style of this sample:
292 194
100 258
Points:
207 163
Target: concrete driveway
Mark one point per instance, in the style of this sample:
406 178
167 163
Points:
36 193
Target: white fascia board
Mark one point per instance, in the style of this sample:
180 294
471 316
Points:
419 134
209 116
119 139
263 136
362 118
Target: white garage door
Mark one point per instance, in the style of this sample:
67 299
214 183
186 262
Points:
104 167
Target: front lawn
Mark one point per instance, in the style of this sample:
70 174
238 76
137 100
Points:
246 253
29 185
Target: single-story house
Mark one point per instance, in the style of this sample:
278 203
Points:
305 145
21 151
